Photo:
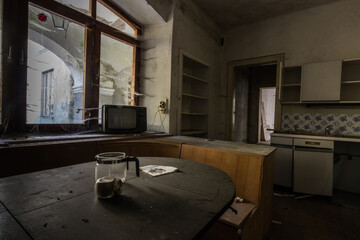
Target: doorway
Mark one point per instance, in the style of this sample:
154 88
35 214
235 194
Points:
246 78
252 85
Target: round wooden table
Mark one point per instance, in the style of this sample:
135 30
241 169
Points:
60 203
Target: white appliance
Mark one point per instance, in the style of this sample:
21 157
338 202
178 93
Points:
313 166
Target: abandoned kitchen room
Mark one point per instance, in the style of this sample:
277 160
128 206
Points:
180 119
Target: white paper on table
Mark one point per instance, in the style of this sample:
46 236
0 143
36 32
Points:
157 170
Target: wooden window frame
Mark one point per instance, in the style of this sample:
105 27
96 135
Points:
15 28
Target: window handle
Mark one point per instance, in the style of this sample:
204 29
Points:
22 57
10 55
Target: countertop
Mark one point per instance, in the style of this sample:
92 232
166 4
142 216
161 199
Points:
258 149
319 137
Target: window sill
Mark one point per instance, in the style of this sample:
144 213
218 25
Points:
31 140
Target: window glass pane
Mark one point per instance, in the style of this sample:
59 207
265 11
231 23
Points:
106 16
1 17
80 5
116 72
55 69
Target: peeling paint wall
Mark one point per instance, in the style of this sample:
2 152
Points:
162 7
155 75
194 33
191 31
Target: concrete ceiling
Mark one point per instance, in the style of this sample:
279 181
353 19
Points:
232 13
142 11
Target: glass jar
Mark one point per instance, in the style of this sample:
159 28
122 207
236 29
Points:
110 173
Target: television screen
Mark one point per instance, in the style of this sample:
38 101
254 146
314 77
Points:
121 118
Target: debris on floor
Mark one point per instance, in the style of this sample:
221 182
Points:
302 197
276 222
284 195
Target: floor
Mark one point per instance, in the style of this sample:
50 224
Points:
304 217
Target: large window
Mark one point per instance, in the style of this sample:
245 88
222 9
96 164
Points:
80 55
58 44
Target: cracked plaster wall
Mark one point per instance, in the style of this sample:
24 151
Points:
198 36
191 31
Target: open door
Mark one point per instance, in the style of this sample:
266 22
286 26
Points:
266 114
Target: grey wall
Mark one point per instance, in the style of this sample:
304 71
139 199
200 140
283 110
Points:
155 72
189 30
327 32
194 33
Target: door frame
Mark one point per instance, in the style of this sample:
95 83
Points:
278 59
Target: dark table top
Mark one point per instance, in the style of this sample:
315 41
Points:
61 204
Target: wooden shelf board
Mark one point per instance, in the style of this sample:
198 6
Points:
194 96
195 78
192 132
351 60
195 114
291 102
291 85
345 101
350 82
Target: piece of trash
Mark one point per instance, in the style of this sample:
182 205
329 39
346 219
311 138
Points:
302 197
276 222
233 209
85 220
239 200
157 170
283 195
45 225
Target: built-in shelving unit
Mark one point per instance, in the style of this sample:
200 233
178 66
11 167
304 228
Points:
291 85
350 81
194 98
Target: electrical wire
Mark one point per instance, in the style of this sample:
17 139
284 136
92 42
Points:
154 119
162 123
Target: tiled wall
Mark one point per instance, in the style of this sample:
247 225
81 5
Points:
342 124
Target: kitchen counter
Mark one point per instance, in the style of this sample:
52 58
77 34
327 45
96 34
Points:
346 159
319 137
257 149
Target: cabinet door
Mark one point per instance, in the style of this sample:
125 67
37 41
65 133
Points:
321 81
313 172
283 166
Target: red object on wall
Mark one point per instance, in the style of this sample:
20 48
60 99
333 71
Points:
42 17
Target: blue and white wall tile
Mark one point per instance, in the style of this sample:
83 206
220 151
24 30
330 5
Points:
342 124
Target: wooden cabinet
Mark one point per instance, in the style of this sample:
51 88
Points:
350 81
194 100
290 85
321 82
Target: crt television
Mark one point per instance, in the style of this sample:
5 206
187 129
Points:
123 119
